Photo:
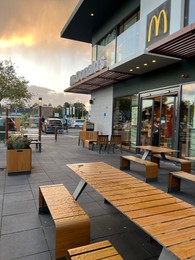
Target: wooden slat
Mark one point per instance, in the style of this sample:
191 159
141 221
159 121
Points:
165 217
142 195
131 203
169 226
185 250
177 236
156 210
98 250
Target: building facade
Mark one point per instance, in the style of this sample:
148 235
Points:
141 79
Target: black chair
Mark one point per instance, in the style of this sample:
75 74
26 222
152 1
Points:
115 141
101 141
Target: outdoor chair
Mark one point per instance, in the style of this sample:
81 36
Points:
115 140
101 141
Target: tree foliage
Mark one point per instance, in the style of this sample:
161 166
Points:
80 109
13 88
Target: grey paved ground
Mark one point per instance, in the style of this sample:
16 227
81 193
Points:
27 235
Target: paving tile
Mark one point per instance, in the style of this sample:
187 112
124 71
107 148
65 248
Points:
107 225
22 244
18 196
16 179
17 188
18 207
41 256
20 222
50 233
38 178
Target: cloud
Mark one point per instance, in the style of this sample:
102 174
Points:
30 36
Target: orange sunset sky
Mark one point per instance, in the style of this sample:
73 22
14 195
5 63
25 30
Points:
30 37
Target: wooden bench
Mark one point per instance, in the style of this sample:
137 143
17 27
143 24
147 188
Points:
174 180
99 250
151 167
71 222
185 164
37 143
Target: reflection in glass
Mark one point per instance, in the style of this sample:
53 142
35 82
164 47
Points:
125 119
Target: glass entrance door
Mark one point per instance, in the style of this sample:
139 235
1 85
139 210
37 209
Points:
159 119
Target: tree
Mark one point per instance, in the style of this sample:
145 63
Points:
58 110
80 109
13 88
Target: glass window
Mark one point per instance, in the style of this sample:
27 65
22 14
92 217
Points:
106 48
189 12
125 119
187 120
129 22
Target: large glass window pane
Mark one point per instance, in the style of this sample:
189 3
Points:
190 12
187 121
125 119
108 52
127 42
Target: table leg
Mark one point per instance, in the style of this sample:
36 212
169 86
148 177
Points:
80 187
145 155
163 156
167 255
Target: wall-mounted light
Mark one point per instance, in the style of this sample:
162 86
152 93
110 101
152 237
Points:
184 75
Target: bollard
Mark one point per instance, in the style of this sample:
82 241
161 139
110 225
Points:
56 133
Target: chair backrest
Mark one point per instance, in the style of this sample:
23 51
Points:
115 139
102 139
92 135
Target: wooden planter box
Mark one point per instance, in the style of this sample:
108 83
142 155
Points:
19 160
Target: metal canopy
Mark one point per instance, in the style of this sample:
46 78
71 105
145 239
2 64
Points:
179 44
98 80
88 17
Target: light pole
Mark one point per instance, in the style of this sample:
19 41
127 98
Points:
40 117
6 122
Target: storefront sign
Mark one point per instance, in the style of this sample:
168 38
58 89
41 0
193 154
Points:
91 69
158 23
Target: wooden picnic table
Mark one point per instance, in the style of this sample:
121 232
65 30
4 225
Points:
151 150
167 219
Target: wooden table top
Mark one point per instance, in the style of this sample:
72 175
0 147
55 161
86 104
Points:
169 220
157 149
190 158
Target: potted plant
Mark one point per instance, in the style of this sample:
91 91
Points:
19 154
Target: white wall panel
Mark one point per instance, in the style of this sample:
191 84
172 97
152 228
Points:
101 110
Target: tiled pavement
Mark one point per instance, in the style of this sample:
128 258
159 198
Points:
26 235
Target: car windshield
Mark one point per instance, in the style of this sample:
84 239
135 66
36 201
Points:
2 122
55 122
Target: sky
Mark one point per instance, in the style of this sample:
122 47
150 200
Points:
30 37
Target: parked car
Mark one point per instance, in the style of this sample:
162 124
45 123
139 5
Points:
11 126
50 124
78 123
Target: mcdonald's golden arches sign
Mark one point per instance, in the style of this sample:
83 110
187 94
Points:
158 23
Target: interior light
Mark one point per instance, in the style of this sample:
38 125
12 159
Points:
137 67
153 61
131 70
145 64
92 14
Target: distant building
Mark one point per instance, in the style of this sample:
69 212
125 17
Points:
47 111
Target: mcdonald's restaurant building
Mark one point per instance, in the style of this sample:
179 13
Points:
142 70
